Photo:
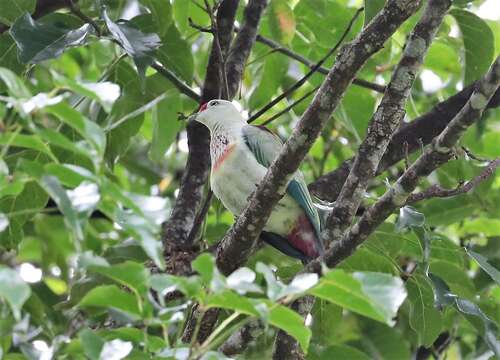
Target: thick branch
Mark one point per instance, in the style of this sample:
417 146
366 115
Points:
177 229
435 155
286 347
420 131
238 243
437 191
243 43
386 119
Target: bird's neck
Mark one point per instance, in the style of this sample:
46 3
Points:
222 139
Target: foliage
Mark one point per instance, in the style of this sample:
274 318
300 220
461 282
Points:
92 151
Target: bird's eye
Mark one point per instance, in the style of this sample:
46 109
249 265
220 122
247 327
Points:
214 103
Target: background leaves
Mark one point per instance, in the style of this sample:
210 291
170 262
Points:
92 153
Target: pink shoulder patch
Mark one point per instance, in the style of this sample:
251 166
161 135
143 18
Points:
303 237
228 150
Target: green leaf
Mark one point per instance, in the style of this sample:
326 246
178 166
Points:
190 286
92 344
271 76
141 47
342 352
52 186
383 342
10 10
356 110
106 93
13 290
204 264
409 218
291 322
232 301
38 41
479 44
15 86
165 124
129 273
490 329
8 54
4 222
326 320
175 54
161 12
485 265
375 295
372 7
26 141
281 21
111 297
425 319
89 130
456 278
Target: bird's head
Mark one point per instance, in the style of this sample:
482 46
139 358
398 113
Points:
218 113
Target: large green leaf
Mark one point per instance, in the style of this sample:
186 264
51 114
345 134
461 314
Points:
374 295
161 12
38 41
15 86
89 130
13 290
425 319
131 274
485 265
55 190
291 322
479 44
281 21
271 77
175 53
372 7
165 124
10 10
111 297
140 46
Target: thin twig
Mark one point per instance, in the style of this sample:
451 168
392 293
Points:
75 9
314 69
462 188
322 70
291 106
178 83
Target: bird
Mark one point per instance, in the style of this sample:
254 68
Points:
240 156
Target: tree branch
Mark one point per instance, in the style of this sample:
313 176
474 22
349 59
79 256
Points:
386 120
238 243
438 191
435 155
304 78
191 192
383 124
310 64
178 83
420 131
243 43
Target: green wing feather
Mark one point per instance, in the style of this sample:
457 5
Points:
266 146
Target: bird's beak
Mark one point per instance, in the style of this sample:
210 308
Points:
192 118
200 110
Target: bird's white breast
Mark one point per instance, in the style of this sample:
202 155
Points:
237 176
